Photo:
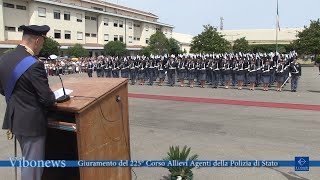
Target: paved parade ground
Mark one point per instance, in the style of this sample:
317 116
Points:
218 124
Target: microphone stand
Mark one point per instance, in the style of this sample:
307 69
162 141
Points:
65 97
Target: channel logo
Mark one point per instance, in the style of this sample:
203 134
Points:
301 164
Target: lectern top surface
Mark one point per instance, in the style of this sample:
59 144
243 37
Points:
86 91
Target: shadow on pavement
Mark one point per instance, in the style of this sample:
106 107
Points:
313 91
290 175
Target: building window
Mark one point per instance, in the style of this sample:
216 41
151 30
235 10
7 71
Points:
93 18
67 34
157 29
8 5
115 38
165 31
93 35
56 14
79 35
79 17
57 34
97 8
121 38
19 29
67 16
121 24
8 28
130 39
87 17
115 23
41 12
21 7
130 25
147 28
138 39
87 35
106 21
134 38
147 40
106 37
136 25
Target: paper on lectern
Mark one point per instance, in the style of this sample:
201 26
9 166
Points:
58 93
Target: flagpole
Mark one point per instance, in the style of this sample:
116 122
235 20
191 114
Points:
277 26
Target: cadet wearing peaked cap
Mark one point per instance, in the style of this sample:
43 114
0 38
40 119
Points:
90 68
24 84
266 75
295 70
252 70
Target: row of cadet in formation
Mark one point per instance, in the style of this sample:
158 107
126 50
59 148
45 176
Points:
216 70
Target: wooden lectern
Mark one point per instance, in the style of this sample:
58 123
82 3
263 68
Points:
93 125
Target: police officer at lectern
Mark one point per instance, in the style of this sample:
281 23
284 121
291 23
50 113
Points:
24 83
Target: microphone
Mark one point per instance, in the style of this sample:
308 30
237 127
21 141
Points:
65 97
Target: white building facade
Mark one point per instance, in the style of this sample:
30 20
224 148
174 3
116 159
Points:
263 36
253 36
91 23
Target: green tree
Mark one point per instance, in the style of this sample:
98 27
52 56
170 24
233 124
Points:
282 48
78 51
241 45
317 60
174 47
50 46
158 43
209 41
184 51
115 48
308 41
146 51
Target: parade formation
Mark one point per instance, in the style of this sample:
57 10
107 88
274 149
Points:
212 70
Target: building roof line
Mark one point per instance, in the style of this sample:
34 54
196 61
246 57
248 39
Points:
59 3
229 30
121 7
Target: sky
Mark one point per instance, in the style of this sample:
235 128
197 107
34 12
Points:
189 16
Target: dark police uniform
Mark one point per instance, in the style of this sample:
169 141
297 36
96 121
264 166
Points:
252 73
125 70
90 69
172 65
280 73
133 71
234 70
162 72
115 69
215 74
295 70
266 74
240 74
108 69
99 69
151 72
25 113
142 71
25 110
